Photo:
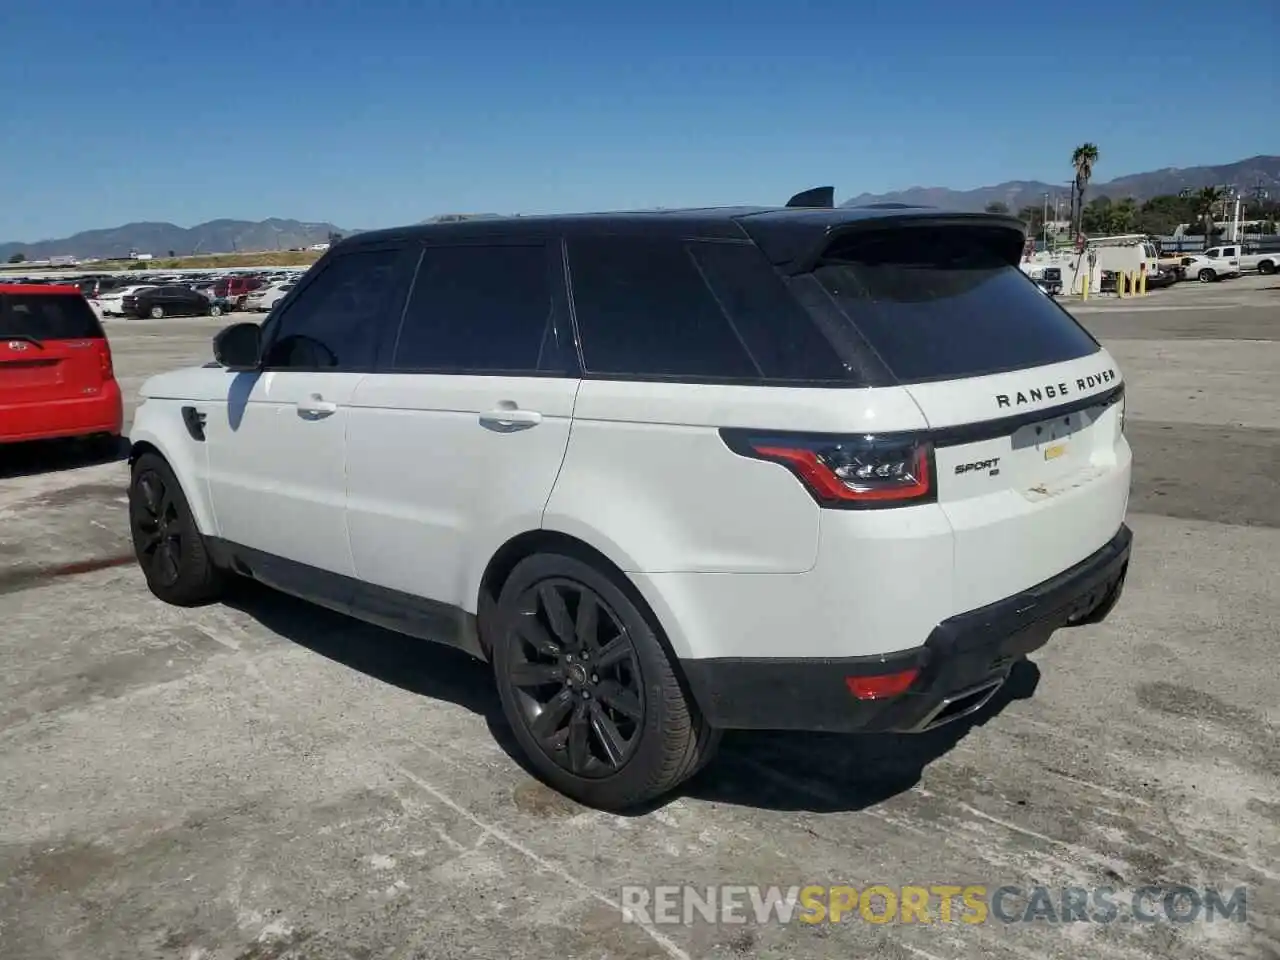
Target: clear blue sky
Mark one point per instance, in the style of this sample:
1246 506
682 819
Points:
387 112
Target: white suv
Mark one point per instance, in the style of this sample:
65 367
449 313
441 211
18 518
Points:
670 473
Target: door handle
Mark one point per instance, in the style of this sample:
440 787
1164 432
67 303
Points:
317 406
508 417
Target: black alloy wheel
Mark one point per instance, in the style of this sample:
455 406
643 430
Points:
159 533
168 544
576 678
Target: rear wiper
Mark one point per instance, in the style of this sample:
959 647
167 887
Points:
23 336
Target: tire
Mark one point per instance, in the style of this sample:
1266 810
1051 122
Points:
1206 276
161 525
156 312
215 310
614 736
1267 267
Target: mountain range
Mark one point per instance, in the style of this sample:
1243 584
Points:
1245 175
225 236
157 239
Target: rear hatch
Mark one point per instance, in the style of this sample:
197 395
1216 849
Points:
1024 406
52 346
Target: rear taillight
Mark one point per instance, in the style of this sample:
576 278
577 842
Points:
849 472
104 360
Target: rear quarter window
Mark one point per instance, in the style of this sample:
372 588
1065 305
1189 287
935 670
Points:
945 303
691 310
48 317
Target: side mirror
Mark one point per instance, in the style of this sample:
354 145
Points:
239 346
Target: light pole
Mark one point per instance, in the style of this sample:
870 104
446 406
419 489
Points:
1260 196
1231 202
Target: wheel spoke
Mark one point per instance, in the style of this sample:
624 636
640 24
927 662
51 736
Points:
165 561
614 695
147 484
553 712
587 626
579 739
607 734
150 539
529 630
613 652
536 674
557 613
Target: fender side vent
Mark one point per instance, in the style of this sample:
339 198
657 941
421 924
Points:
194 420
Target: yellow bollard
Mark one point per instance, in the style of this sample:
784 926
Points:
1120 278
1142 282
1084 287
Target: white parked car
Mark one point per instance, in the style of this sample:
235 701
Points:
111 302
1210 266
669 473
264 298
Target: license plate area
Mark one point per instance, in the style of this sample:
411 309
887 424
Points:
1052 448
16 374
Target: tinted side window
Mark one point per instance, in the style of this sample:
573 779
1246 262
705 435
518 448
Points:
478 309
777 331
644 309
945 303
47 317
337 320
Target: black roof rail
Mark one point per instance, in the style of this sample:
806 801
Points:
823 198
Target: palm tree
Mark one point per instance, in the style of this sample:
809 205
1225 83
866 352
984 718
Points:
1203 201
1083 158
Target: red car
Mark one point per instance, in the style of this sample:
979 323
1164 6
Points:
56 377
235 289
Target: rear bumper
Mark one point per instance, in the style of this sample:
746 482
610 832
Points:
77 417
961 665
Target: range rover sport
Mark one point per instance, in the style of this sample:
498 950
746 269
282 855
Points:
670 473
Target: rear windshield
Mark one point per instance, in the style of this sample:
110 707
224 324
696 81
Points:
47 317
945 303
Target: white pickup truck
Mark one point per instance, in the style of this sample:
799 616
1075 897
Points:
1262 261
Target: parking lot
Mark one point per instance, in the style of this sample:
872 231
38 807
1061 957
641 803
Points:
263 779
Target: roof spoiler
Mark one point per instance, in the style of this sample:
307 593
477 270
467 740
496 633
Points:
823 198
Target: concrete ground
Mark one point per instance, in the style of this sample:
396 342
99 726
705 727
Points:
262 779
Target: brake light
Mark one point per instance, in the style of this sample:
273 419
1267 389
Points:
104 360
849 472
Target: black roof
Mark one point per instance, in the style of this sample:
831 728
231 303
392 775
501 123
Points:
789 236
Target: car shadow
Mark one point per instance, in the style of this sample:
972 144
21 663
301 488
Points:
783 771
53 456
835 772
417 666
